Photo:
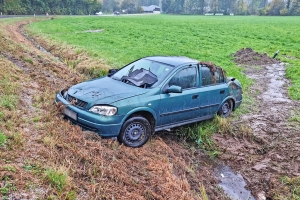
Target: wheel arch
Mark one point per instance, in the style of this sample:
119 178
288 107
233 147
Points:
147 113
232 99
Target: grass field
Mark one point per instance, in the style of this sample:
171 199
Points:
125 38
44 155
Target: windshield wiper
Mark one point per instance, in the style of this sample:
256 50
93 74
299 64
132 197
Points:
130 70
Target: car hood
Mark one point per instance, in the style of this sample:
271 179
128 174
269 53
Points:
104 91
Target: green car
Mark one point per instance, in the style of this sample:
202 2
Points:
148 95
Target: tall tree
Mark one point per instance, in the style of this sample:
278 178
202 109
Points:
214 6
263 3
275 6
295 8
253 7
241 7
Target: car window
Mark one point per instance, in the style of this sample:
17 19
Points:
211 78
207 78
185 78
159 69
219 75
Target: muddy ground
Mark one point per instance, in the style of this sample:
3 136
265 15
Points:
262 146
267 148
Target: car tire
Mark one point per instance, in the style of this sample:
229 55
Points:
135 132
225 109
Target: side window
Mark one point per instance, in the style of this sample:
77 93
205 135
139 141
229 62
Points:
207 78
219 75
211 78
185 78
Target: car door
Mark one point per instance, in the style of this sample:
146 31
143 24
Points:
213 90
180 107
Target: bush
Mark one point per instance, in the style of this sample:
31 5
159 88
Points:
284 12
262 12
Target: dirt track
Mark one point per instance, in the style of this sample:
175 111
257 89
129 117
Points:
163 168
273 150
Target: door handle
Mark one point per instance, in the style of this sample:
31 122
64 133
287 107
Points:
222 91
195 96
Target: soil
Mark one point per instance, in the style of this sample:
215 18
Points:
164 168
272 149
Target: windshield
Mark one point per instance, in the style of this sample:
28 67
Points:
160 70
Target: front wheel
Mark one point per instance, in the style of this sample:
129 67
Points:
135 132
225 109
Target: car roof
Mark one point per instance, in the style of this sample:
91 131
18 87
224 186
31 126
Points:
172 60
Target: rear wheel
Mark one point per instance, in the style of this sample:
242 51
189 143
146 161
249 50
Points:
225 109
135 132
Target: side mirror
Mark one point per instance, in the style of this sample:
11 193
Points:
111 72
174 89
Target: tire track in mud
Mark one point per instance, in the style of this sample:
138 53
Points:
272 151
39 75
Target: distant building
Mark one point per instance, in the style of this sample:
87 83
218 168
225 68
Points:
151 9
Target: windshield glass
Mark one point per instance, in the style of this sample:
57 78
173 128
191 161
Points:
159 69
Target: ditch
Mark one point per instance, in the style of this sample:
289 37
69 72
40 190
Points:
254 162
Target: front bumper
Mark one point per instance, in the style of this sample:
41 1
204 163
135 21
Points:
106 126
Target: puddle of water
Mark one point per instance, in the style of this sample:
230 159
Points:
232 184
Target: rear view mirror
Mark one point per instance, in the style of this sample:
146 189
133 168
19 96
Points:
174 89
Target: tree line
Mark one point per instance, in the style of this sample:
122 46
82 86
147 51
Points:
237 7
195 7
55 7
200 7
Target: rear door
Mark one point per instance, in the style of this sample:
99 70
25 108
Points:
213 90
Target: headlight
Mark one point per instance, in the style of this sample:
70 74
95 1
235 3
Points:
104 110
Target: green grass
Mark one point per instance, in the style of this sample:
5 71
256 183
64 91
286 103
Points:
293 186
9 168
201 133
206 38
3 139
57 178
8 101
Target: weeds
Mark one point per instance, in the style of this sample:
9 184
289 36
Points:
37 119
295 116
203 192
28 60
9 168
1 116
8 101
293 185
8 186
57 178
35 168
71 195
294 119
3 139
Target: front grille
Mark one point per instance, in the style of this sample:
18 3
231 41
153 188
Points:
83 126
76 102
